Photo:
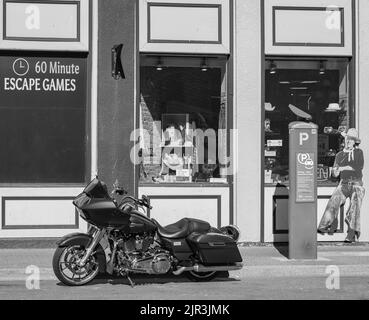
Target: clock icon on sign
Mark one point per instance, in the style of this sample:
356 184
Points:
21 67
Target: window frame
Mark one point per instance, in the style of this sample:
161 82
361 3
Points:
351 101
224 62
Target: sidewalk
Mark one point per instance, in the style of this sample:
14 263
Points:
267 274
265 261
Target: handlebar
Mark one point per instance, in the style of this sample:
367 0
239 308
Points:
119 191
144 202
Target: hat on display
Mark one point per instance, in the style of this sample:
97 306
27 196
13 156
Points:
333 107
298 112
352 134
173 162
269 107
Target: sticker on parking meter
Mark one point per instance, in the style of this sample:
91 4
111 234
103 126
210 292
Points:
305 184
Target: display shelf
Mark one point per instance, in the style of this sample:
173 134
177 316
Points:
328 184
335 111
272 134
184 184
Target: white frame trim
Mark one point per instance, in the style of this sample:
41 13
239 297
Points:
270 237
82 45
94 89
47 232
196 48
346 50
174 192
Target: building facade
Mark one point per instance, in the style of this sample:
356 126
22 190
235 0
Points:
185 101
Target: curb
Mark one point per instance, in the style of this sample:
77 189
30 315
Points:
29 243
285 244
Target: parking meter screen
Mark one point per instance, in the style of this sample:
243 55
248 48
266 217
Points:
305 191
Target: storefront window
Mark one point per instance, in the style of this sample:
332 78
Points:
183 117
295 89
43 119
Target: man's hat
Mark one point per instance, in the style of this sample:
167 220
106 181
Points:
352 134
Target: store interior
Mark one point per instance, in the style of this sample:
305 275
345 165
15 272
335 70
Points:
179 97
294 91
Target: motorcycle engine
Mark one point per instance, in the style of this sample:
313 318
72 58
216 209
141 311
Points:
138 244
139 255
156 264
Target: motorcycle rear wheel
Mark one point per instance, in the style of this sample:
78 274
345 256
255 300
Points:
201 276
67 270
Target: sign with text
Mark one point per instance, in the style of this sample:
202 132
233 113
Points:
43 81
305 177
275 143
43 106
42 21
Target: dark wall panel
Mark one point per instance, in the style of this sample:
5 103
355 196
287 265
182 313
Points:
116 97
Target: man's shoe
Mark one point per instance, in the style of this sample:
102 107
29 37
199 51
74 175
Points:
333 228
348 240
351 236
323 231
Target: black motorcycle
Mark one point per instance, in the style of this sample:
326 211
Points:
123 241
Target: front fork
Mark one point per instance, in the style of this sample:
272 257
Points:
97 235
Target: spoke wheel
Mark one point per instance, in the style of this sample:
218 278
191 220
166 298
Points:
67 269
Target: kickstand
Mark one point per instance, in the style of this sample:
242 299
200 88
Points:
130 281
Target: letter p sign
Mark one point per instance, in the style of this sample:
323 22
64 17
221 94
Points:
303 138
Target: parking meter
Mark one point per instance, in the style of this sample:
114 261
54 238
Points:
303 191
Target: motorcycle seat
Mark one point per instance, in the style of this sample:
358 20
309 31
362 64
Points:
183 228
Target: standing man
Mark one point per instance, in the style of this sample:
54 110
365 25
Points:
348 166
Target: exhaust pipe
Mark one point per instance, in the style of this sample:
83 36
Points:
201 268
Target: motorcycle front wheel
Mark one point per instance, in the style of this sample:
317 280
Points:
67 269
201 276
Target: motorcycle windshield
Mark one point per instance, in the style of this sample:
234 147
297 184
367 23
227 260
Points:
97 189
81 201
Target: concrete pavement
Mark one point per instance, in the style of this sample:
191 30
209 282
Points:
268 274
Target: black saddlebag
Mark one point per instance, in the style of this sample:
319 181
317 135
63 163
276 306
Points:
214 249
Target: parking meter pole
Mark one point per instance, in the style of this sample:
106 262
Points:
303 191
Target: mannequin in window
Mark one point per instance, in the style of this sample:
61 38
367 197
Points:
348 166
172 158
173 135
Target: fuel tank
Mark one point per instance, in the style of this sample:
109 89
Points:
139 223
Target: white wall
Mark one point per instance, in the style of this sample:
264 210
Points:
39 212
363 102
172 204
247 119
